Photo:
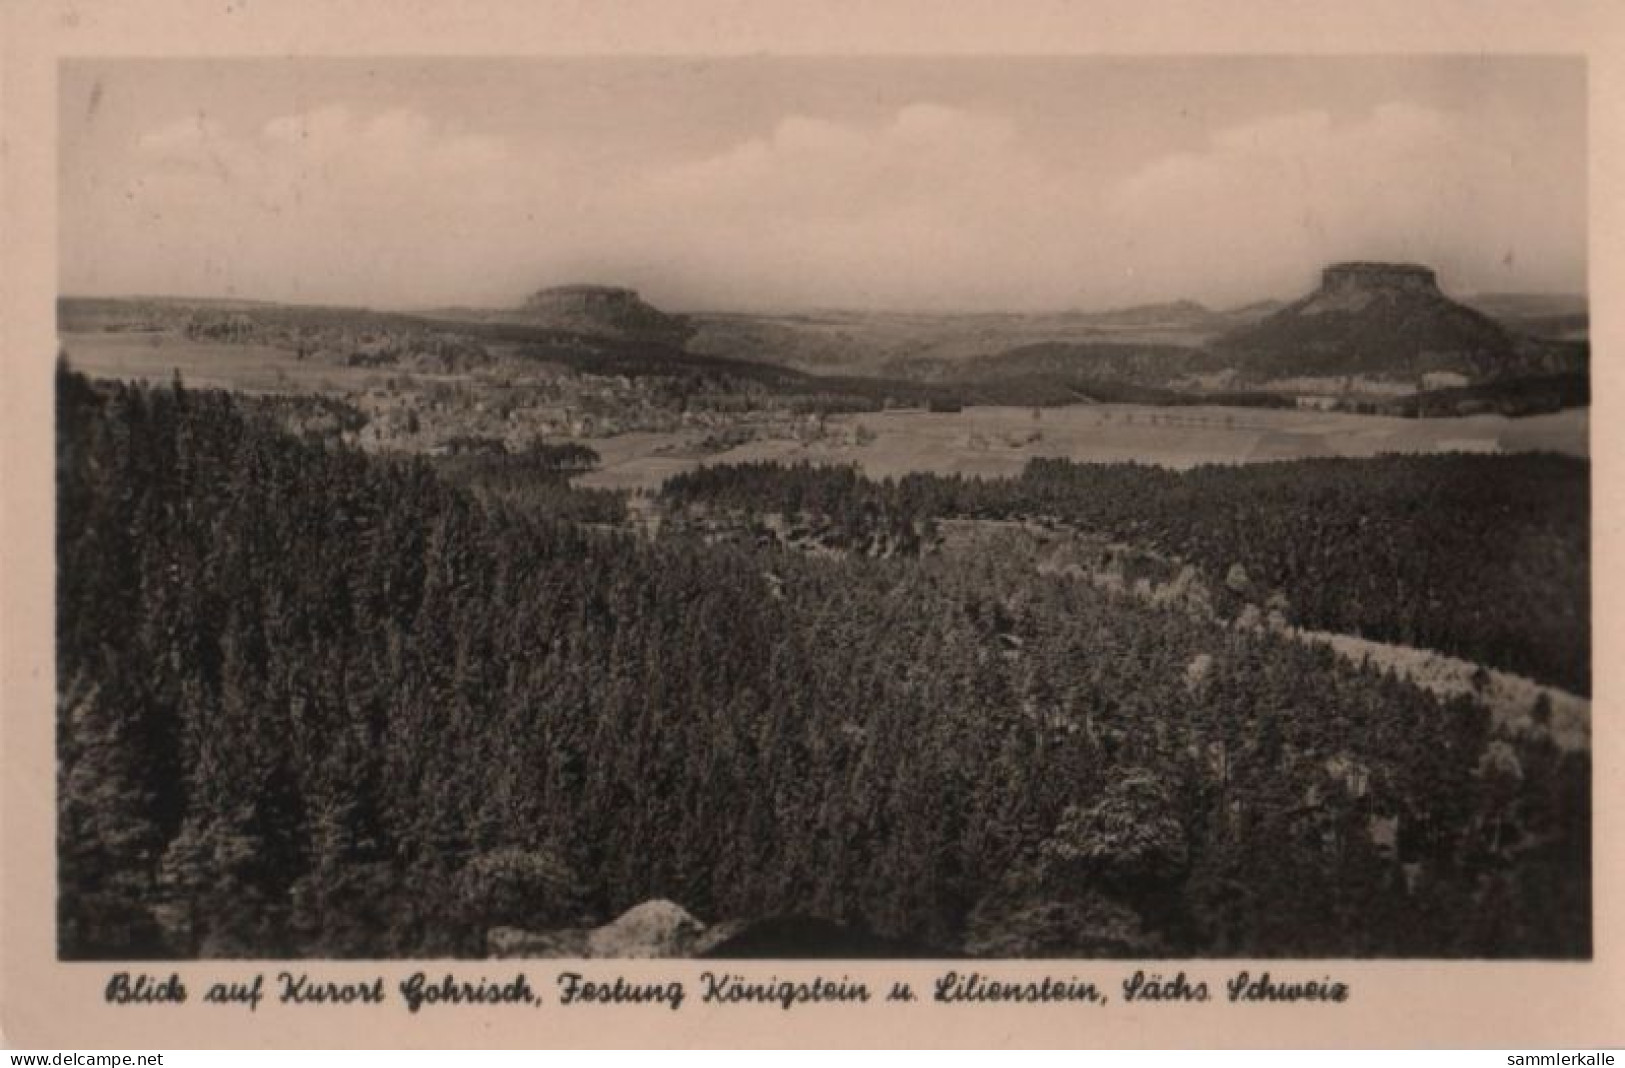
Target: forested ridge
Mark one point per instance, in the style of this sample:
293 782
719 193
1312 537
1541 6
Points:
1483 557
316 703
535 479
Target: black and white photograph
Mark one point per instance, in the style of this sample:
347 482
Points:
844 507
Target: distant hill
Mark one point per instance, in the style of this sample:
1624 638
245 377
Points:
1552 315
612 310
1377 330
1385 320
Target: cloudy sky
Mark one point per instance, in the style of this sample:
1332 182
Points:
937 184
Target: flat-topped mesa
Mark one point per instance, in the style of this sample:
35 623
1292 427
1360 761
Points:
1387 320
1408 277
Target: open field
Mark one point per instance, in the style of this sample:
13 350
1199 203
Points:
854 342
983 441
999 441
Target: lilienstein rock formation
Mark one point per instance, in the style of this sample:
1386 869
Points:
605 310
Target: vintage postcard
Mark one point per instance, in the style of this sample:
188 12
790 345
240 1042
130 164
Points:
703 526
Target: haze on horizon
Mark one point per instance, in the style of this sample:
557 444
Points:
778 183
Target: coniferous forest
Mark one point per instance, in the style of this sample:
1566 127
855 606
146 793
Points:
1484 557
319 703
